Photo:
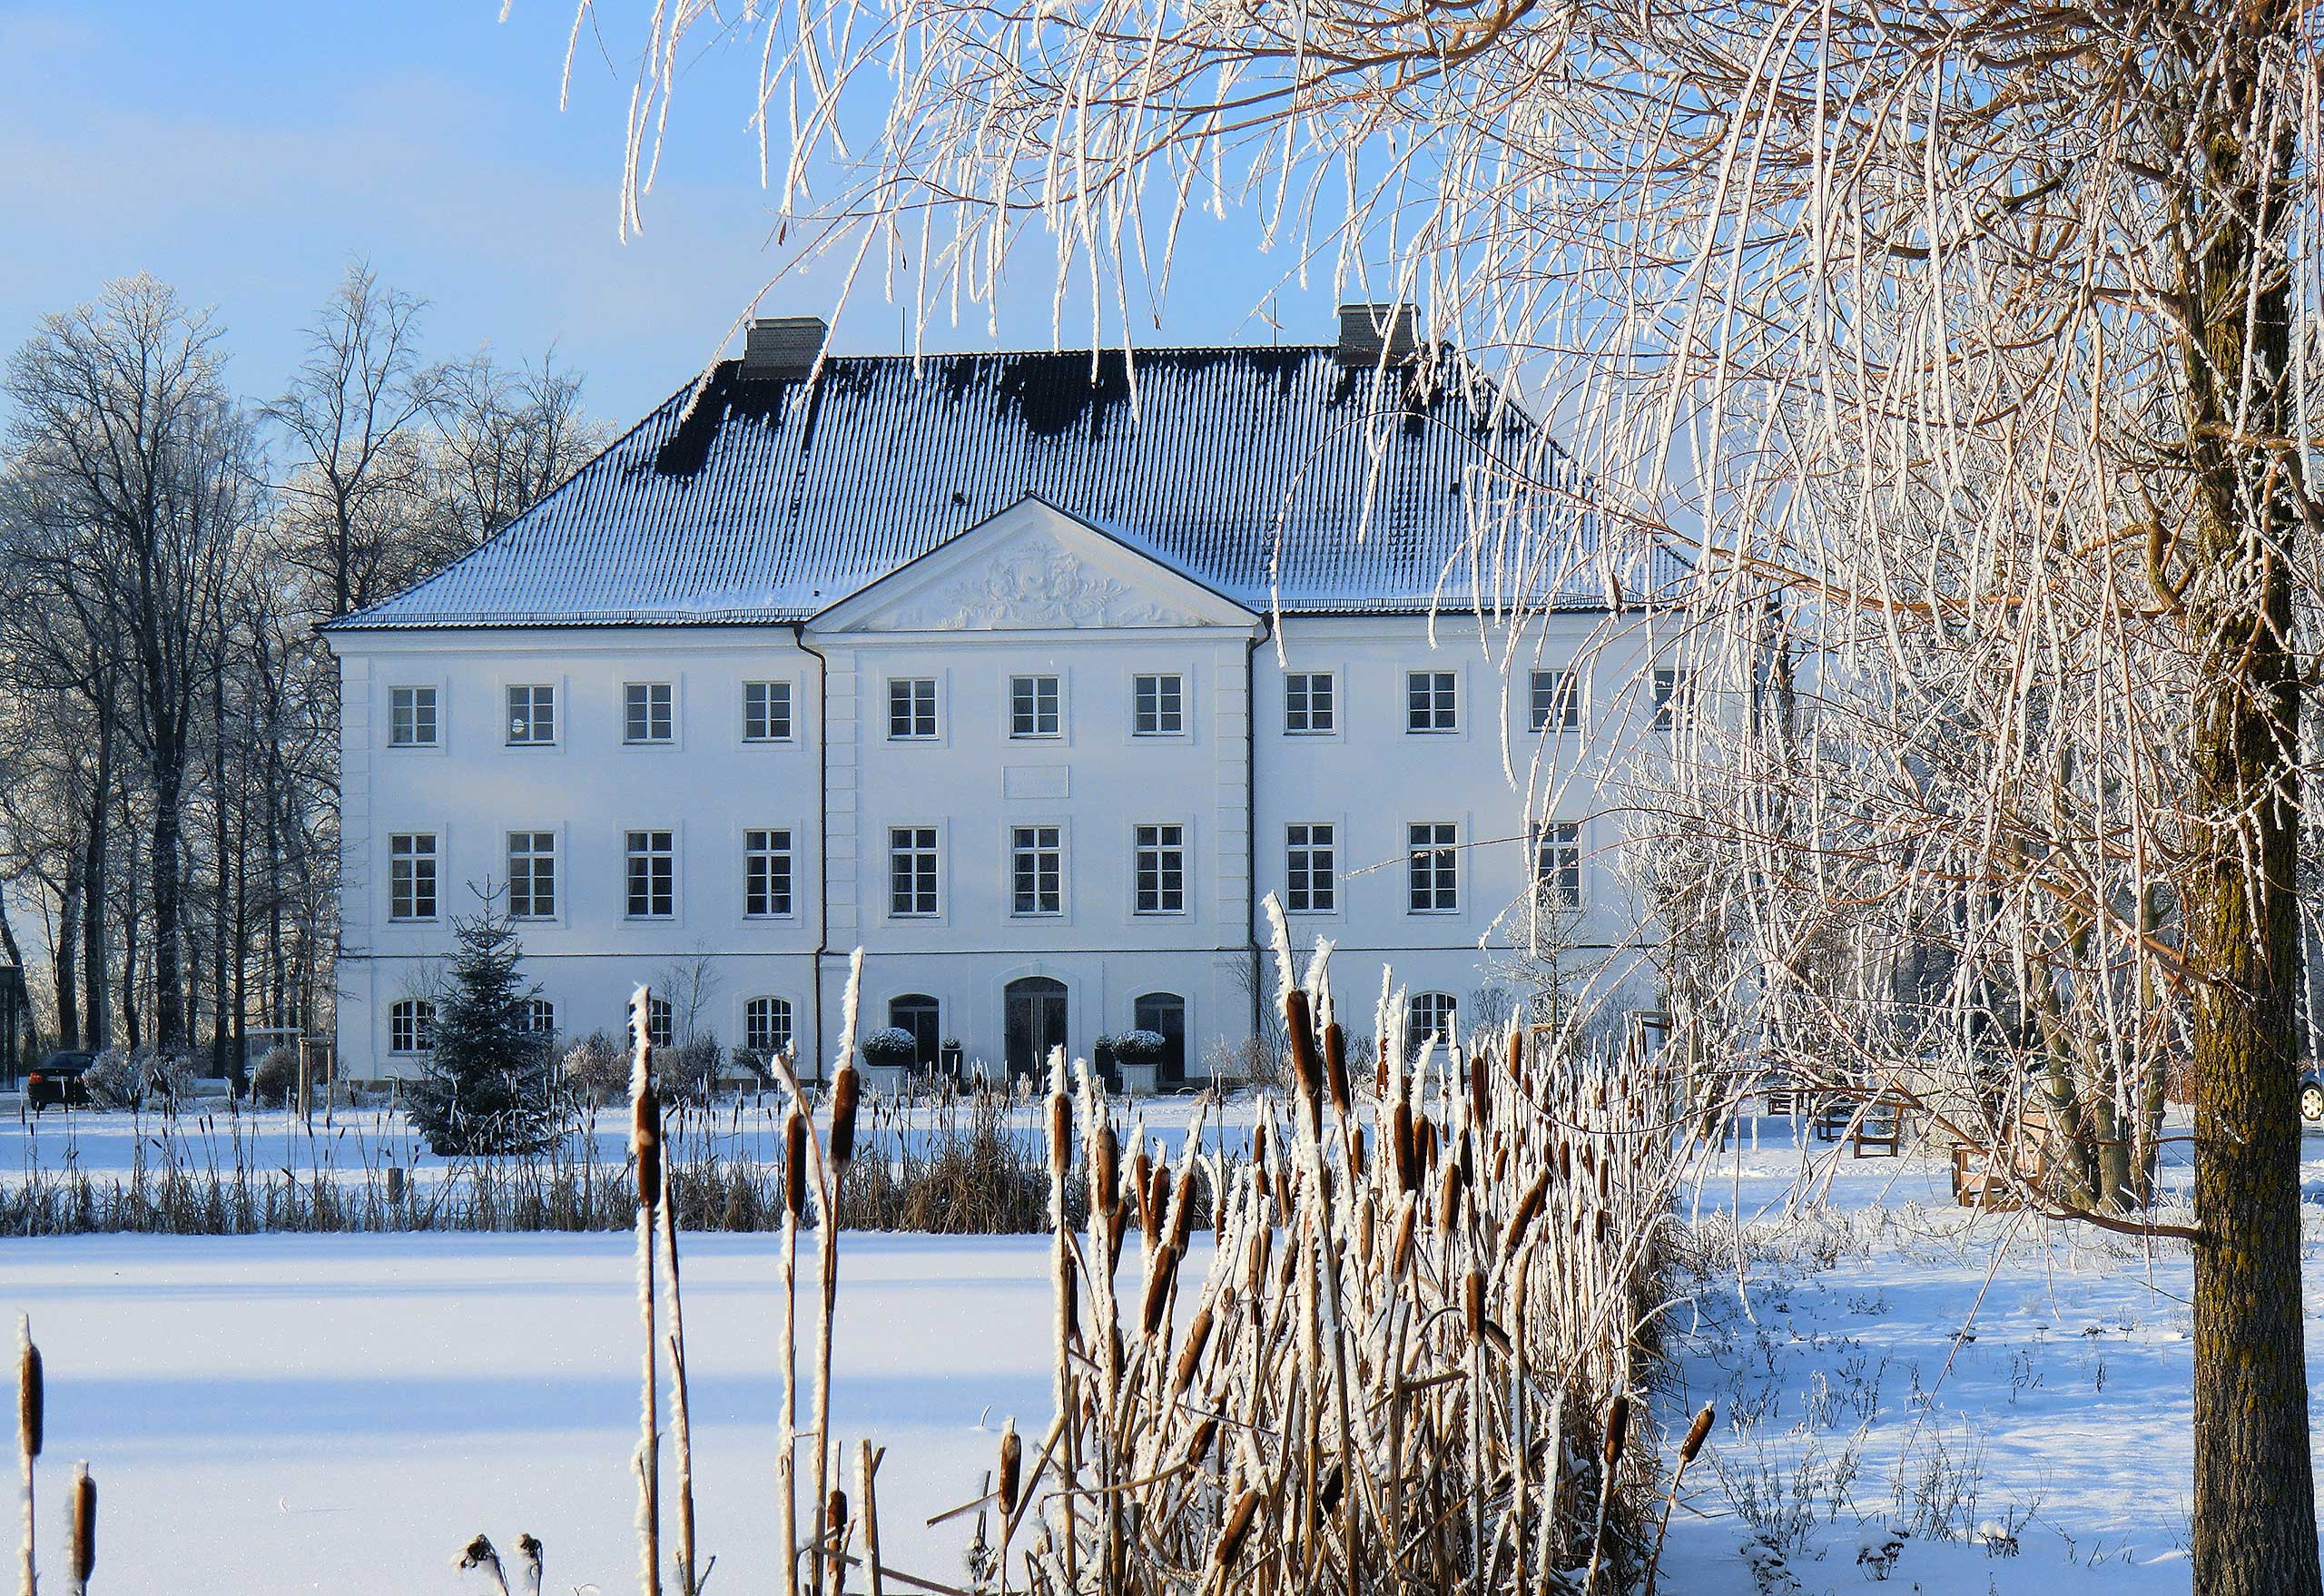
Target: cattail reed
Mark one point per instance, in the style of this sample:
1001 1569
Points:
480 1554
529 1547
646 1150
30 1421
1697 1432
82 1548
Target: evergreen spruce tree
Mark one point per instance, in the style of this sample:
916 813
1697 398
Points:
487 1087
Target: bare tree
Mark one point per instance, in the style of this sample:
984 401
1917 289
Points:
504 439
149 481
356 414
1976 341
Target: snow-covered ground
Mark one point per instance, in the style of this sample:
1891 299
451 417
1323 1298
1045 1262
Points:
281 1413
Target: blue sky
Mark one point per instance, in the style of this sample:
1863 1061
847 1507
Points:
244 148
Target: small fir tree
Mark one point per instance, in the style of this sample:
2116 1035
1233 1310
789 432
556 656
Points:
488 1080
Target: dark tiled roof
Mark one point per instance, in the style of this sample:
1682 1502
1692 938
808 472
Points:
1273 475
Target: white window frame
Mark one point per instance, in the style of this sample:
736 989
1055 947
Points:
1332 704
1300 847
788 854
509 718
1137 682
1445 1024
434 738
535 1008
1675 696
668 736
1563 837
1441 871
1033 679
433 855
1561 714
790 1022
1139 848
771 687
1444 681
934 849
533 855
420 1013
934 684
1059 845
631 853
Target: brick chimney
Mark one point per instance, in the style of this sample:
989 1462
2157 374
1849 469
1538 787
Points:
783 348
1366 330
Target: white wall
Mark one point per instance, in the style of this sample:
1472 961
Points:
1369 778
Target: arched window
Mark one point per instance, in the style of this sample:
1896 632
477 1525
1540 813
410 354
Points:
1428 1014
411 1026
917 1014
540 1017
766 1025
1165 1013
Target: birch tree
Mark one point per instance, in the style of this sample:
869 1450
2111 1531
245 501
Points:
1974 342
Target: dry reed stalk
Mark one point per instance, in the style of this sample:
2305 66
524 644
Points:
681 1406
31 1424
646 1149
481 1553
529 1547
867 1464
80 1551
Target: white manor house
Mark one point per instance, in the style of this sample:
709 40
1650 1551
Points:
1029 674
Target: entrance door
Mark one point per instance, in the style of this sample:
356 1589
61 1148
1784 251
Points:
1036 1007
1165 1013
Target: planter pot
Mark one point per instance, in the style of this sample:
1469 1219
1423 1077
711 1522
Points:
888 1079
1139 1079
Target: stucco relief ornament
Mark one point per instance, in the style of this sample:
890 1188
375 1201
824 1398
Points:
1034 588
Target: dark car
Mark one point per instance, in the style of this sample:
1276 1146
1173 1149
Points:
55 1081
2311 1094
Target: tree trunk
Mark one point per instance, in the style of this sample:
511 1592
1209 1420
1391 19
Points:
68 995
169 979
2255 1500
97 1020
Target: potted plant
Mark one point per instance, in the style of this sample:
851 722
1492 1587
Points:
1138 1054
889 1054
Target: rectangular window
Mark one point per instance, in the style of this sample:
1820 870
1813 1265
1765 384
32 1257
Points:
1036 870
532 875
1557 866
766 712
1161 869
652 876
911 870
1674 692
1307 704
1160 705
911 708
411 717
766 872
1311 883
411 876
645 712
540 1017
1557 700
1033 707
1432 867
1429 702
532 715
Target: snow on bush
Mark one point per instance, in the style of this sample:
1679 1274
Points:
891 1044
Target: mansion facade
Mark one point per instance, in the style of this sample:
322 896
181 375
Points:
1031 676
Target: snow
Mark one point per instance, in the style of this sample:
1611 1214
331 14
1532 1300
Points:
291 1412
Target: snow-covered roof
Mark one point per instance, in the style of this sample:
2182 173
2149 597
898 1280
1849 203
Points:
1276 476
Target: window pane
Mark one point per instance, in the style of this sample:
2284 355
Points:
766 1025
1431 868
1312 885
911 870
532 715
766 871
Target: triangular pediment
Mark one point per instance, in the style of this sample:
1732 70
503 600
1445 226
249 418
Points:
1033 568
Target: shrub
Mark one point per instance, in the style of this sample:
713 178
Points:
1139 1046
891 1044
688 1074
274 1084
596 1070
113 1078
